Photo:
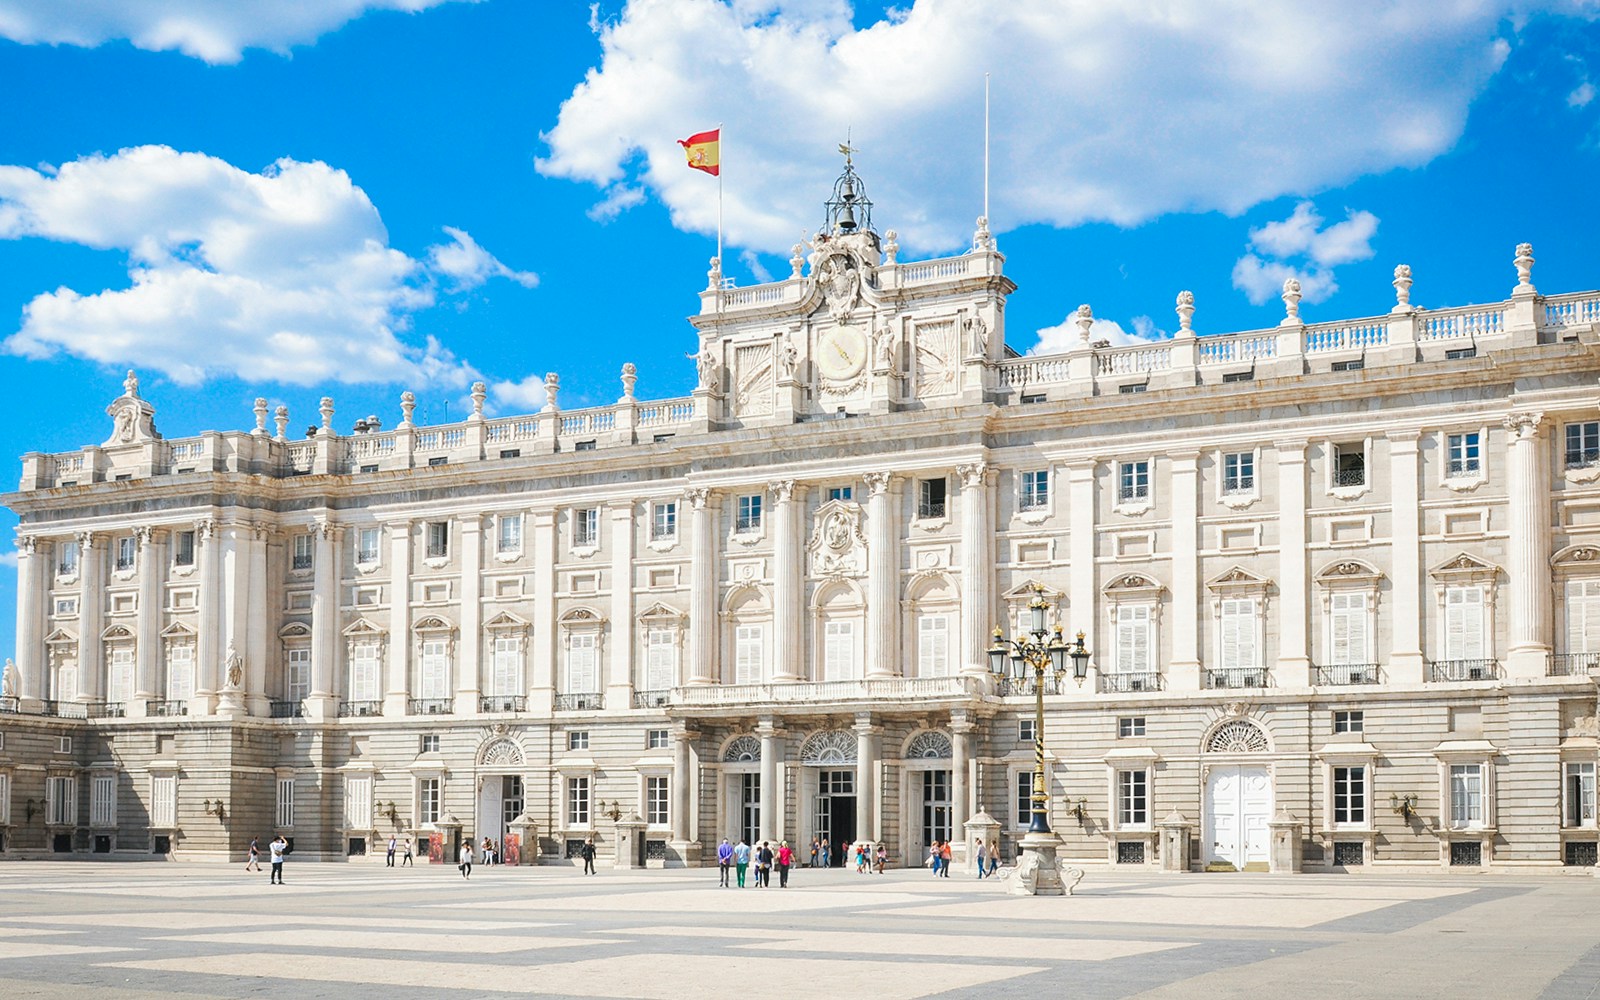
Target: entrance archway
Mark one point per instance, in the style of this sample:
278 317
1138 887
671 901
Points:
828 762
1238 799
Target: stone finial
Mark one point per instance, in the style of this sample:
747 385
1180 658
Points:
130 385
1185 310
326 409
714 276
479 392
1402 289
797 259
891 248
982 239
261 417
1085 320
408 406
1291 303
280 416
552 387
630 375
1524 262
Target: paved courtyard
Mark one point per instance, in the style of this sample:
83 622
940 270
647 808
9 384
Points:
146 930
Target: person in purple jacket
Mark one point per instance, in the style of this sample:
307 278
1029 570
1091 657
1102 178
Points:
724 859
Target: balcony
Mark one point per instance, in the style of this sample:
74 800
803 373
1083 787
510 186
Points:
1574 664
286 710
503 703
166 708
9 706
580 702
1228 678
1130 683
1012 687
1342 674
430 706
1463 671
105 709
360 709
651 699
920 689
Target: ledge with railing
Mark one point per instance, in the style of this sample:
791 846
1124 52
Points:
1227 678
592 702
360 709
166 708
822 692
651 699
285 710
1574 664
1130 682
500 703
1463 671
1343 674
105 709
430 706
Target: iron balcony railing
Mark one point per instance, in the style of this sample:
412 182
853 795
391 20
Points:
580 702
359 709
286 710
1463 671
105 709
1340 674
430 706
503 703
1574 664
1130 683
1007 687
1223 678
651 699
166 708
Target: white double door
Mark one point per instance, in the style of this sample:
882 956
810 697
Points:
1238 806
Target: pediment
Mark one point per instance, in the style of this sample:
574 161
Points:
60 636
659 612
1238 580
1132 584
1465 566
182 630
433 623
1578 557
506 620
363 627
116 632
1025 590
1348 571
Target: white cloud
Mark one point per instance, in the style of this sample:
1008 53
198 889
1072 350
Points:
1117 112
205 29
1581 95
9 559
1301 247
525 396
752 261
619 199
1064 336
284 275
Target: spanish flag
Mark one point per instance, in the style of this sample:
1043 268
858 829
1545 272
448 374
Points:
702 151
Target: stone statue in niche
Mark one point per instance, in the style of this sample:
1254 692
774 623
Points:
977 334
788 359
706 363
883 347
132 418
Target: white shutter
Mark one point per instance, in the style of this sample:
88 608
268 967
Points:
121 686
747 641
299 679
1347 629
285 803
364 672
1239 633
1463 623
103 801
66 686
1583 616
180 671
838 650
507 654
581 673
358 802
1133 639
435 670
659 668
163 801
933 646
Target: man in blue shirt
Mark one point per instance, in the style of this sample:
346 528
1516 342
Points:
741 860
724 859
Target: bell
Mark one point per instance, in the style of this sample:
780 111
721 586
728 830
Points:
847 218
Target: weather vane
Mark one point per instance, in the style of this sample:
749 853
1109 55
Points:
846 148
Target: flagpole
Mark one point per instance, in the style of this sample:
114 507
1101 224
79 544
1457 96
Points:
986 145
719 193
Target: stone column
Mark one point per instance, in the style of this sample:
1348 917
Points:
1528 513
397 687
542 642
771 794
1184 674
147 655
259 610
323 701
469 648
960 787
977 567
1080 547
684 835
883 573
787 581
624 647
208 645
35 570
1406 665
703 586
867 811
1294 660
91 615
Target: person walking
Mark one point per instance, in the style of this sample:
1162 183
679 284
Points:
814 848
741 859
724 860
982 855
785 860
405 861
827 859
488 851
764 860
253 856
994 856
944 859
465 859
882 858
392 846
278 848
586 852
933 858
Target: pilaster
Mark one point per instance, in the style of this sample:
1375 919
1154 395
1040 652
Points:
702 586
323 700
1406 664
469 650
1080 548
977 565
397 690
1294 660
1184 673
91 615
147 655
787 580
883 571
257 610
542 641
208 648
624 647
35 569
1528 512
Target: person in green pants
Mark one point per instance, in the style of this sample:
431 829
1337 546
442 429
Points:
741 859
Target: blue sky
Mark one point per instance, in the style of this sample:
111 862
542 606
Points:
293 198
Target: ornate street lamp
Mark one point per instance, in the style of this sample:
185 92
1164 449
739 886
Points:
1034 652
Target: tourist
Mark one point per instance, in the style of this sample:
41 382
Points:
586 852
881 858
253 859
944 859
862 847
814 848
405 860
724 860
994 856
934 858
741 859
392 846
465 856
279 848
488 851
981 855
764 865
785 859
827 861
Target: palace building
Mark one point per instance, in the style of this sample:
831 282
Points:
1340 582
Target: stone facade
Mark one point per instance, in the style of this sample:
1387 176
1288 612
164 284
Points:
1339 581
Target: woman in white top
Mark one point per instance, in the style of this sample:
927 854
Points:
466 859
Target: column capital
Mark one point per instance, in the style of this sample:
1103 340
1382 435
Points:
878 483
27 544
699 496
1187 456
782 490
865 726
1523 423
89 539
327 529
1404 435
1291 447
398 529
973 473
768 728
205 528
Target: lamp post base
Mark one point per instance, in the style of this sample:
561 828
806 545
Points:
1039 871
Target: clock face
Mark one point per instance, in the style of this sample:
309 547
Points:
841 352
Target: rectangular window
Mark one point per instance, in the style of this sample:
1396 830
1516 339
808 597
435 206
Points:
438 539
61 801
103 800
364 672
1133 639
180 671
1035 490
748 654
1130 726
585 527
1583 444
67 559
1353 365
931 497
302 552
1466 796
120 671
1133 803
1350 796
1238 625
655 801
1463 623
841 492
577 802
127 549
1465 457
1025 731
933 645
1347 629
297 682
358 802
1349 465
578 739
657 739
438 460
367 546
1583 616
183 548
434 670
1239 472
1133 481
1460 353
427 800
664 520
430 743
750 808
1349 721
749 516
506 676
1580 794
1128 390
583 675
1029 398
285 810
588 445
660 660
838 650
1024 786
163 801
508 534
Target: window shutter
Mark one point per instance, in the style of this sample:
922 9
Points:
435 670
1583 616
507 650
1464 623
581 677
747 654
121 687
838 647
364 672
299 674
933 646
1347 629
1238 633
180 672
1133 638
658 660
